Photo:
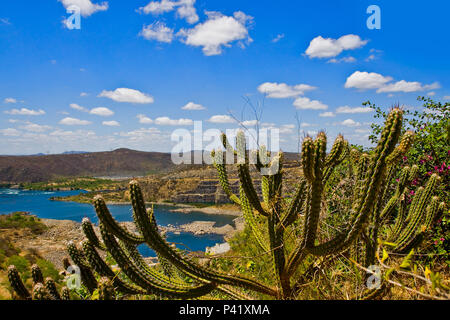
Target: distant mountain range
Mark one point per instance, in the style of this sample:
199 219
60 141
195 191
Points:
38 168
120 162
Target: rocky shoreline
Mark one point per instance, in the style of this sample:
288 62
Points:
51 244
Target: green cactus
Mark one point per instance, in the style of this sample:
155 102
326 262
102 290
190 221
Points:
374 208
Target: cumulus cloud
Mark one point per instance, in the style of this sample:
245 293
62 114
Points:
74 122
157 31
25 112
111 123
33 127
321 47
217 32
102 112
350 123
144 119
365 80
283 90
10 100
84 94
166 121
87 7
10 132
347 109
221 119
127 95
184 9
193 107
78 107
405 86
304 103
327 114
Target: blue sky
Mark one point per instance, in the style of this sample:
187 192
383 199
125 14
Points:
123 79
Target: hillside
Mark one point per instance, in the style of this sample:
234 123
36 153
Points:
21 169
121 162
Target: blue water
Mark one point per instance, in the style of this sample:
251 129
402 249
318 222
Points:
39 204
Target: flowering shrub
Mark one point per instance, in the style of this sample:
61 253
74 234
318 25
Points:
431 152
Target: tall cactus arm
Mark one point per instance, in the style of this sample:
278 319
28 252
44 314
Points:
316 191
134 255
106 218
251 221
40 292
385 147
36 274
337 154
89 233
418 214
217 157
154 239
308 158
104 270
50 286
244 175
17 284
138 277
65 293
87 277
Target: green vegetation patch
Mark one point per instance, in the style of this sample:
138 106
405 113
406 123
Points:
18 220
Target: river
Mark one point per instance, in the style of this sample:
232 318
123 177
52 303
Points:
39 204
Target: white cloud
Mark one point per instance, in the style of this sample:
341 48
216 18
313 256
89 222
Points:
283 90
141 134
33 127
166 121
144 119
84 94
5 21
10 100
304 103
157 31
327 114
446 97
431 94
221 119
193 106
111 123
185 9
78 107
327 47
347 109
249 123
127 95
217 32
345 59
10 132
102 112
278 38
405 86
366 80
350 123
87 7
74 122
25 112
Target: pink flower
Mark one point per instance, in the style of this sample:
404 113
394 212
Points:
398 180
442 239
412 192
